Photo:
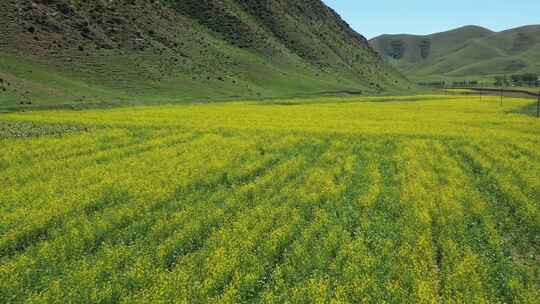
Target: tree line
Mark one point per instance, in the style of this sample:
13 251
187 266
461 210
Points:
519 80
516 80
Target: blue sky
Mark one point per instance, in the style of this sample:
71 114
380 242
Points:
374 17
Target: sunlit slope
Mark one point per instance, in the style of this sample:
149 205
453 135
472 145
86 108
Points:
407 200
468 51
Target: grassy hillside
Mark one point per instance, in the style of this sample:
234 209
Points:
465 52
56 51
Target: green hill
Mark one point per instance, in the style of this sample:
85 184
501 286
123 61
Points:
72 51
469 51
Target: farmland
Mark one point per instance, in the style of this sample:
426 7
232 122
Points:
421 199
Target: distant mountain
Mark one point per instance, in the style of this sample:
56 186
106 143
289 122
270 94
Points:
463 52
138 50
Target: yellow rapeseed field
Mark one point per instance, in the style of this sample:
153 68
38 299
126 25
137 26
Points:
420 199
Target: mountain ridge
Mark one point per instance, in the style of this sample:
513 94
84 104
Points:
173 50
469 51
465 27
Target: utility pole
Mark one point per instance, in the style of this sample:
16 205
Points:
538 106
